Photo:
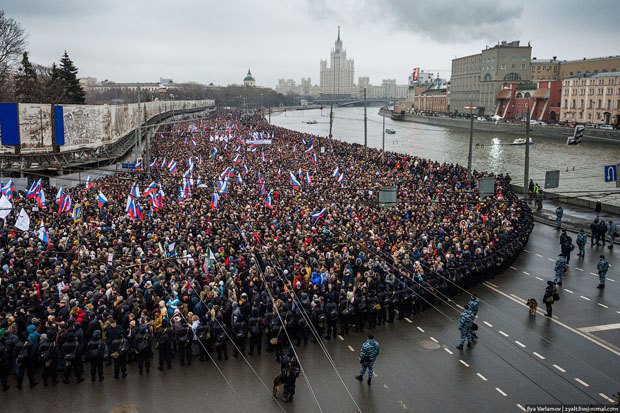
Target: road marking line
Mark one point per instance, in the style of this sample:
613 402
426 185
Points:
559 368
463 363
611 279
602 305
550 259
611 348
481 376
578 380
515 296
487 323
596 275
525 272
513 268
351 348
603 327
502 333
420 328
538 355
460 306
526 250
520 344
386 386
609 399
500 391
538 255
435 340
579 269
340 337
491 284
538 278
409 321
568 291
402 404
521 407
448 350
585 298
374 374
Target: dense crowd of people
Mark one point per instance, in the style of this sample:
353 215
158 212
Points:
263 238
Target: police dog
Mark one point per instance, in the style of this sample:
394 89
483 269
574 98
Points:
278 382
532 305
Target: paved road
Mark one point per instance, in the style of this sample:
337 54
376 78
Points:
518 360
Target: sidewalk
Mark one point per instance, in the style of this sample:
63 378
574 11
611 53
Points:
575 217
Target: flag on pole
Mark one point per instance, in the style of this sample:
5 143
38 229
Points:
310 149
172 168
335 173
314 158
89 183
65 205
44 236
163 164
101 199
23 221
34 189
5 207
213 153
138 165
40 198
318 215
294 181
308 179
60 195
268 202
215 200
135 191
340 178
8 190
153 164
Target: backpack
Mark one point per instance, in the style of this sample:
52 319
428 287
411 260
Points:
95 353
22 356
4 353
144 343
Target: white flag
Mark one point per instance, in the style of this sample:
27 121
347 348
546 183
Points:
5 207
23 221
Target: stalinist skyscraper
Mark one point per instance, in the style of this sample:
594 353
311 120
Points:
337 80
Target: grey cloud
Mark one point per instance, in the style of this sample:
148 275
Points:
446 21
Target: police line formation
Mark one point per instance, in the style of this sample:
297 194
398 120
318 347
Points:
246 237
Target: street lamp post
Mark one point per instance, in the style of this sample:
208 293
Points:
471 139
526 168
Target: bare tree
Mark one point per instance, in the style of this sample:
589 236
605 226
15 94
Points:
12 43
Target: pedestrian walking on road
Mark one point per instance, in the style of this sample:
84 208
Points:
582 240
289 369
465 322
602 266
596 235
559 212
566 244
474 305
560 269
551 295
368 355
612 231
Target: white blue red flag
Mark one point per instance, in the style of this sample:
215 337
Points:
101 199
294 181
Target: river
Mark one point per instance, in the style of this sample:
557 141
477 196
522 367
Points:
581 167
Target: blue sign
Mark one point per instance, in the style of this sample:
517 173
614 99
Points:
611 173
126 165
59 126
9 125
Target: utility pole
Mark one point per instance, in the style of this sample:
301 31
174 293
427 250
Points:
526 168
471 140
331 119
270 114
365 125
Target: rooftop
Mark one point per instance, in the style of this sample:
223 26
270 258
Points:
594 75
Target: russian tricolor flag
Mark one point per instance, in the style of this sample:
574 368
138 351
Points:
65 205
89 183
294 181
335 173
310 149
268 203
60 195
261 191
215 200
40 198
213 153
135 191
320 214
137 166
173 167
153 164
340 178
34 189
101 199
308 179
43 235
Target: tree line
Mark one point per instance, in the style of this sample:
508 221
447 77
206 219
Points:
25 82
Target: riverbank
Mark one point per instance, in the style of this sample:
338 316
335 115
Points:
515 129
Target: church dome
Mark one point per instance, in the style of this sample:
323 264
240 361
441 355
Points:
248 77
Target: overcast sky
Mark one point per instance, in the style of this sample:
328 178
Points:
217 41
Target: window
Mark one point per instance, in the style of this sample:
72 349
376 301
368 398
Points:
527 95
609 104
600 91
580 115
514 65
522 65
519 95
618 106
503 66
514 59
566 103
590 103
610 91
589 116
572 104
591 91
581 104
512 77
600 104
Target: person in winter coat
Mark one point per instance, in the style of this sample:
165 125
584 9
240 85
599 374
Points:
582 240
559 212
465 322
164 337
602 266
255 326
142 344
474 306
120 351
184 343
289 369
48 356
96 353
25 361
72 356
566 244
551 293
612 231
240 332
368 355
560 269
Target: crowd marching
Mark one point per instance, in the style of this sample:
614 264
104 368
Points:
237 236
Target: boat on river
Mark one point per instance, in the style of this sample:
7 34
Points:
521 141
390 131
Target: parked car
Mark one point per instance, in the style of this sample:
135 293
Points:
590 125
534 122
608 127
